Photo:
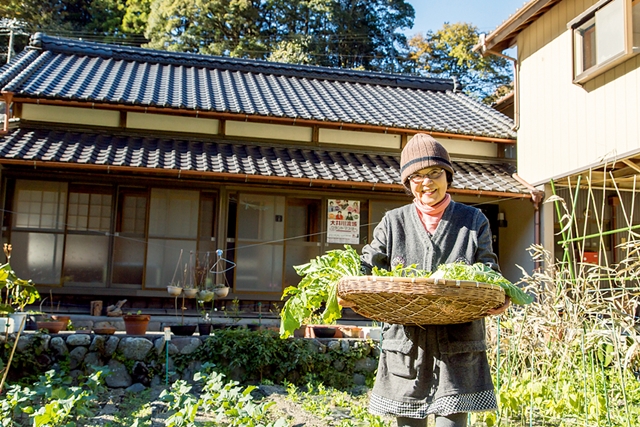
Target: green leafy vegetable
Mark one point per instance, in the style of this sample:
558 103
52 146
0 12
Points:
319 285
480 272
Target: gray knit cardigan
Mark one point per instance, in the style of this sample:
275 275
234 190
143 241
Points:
420 364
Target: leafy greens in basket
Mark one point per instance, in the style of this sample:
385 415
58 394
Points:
318 287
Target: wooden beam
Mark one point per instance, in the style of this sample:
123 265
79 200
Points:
260 119
630 162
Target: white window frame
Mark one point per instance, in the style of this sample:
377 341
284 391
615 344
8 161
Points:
589 18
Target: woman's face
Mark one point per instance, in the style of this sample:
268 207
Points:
430 191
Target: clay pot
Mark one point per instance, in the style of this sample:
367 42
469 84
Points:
62 318
105 330
52 326
136 324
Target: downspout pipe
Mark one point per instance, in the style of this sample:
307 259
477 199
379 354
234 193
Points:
537 197
482 47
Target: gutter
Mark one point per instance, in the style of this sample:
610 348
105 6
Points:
502 37
482 47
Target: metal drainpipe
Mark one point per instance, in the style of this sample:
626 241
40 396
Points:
536 198
516 89
482 47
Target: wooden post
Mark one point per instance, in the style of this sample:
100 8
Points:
96 308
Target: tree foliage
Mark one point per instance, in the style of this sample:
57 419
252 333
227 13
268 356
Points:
339 33
357 34
448 53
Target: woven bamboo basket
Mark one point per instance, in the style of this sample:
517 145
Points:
419 301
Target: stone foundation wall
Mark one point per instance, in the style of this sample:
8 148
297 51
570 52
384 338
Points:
141 360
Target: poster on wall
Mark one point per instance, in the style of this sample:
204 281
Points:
343 225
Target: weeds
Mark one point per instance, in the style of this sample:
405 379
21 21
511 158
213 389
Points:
336 407
572 357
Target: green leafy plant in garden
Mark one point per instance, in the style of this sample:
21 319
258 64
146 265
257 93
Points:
325 402
52 401
260 356
229 403
15 293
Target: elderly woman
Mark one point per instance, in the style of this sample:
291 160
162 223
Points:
431 369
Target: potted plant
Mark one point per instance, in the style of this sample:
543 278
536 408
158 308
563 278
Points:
181 329
174 290
233 312
136 324
175 287
50 325
15 294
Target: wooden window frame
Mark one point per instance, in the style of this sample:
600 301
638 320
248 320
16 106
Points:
581 76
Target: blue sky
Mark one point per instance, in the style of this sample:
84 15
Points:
484 14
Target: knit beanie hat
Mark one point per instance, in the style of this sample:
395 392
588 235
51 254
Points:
422 151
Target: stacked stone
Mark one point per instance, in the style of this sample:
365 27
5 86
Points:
132 359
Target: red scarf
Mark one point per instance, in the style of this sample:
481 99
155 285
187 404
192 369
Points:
431 215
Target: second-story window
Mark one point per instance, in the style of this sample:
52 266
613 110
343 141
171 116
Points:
605 35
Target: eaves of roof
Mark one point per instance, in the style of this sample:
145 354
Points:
57 69
234 160
504 36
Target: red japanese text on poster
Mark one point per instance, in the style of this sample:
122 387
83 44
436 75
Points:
343 225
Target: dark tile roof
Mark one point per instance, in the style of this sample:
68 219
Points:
220 156
64 69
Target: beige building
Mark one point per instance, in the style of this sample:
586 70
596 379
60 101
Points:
576 114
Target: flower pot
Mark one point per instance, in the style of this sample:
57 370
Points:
350 331
190 293
205 329
205 296
221 292
52 326
174 291
136 324
324 331
6 325
19 321
105 330
61 318
183 330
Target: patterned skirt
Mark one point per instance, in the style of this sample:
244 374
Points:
473 402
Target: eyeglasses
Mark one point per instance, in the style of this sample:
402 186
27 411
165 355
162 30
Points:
417 178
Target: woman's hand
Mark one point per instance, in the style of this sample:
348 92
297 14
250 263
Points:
501 309
345 303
